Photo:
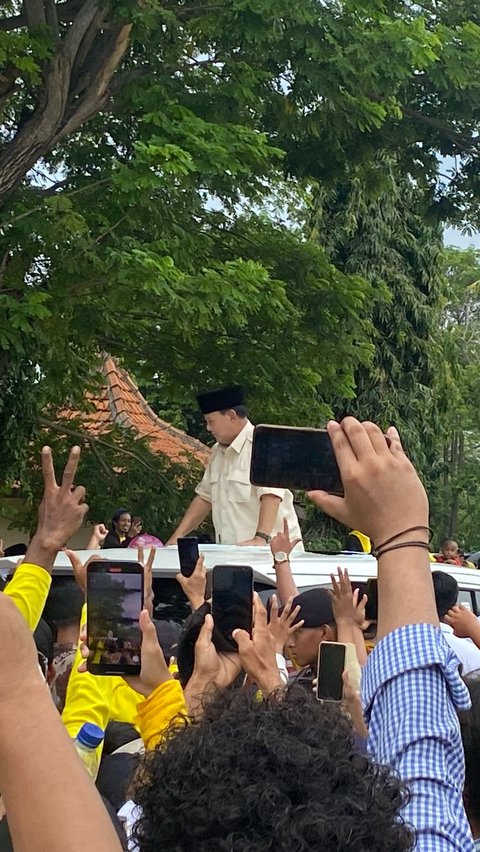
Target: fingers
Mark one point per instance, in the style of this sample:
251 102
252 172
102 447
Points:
149 633
295 542
151 559
206 633
335 585
274 608
259 613
396 447
294 627
285 527
377 438
363 602
70 469
358 438
333 506
76 562
48 470
242 638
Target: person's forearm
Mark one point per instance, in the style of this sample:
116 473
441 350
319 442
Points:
193 517
359 643
269 505
405 590
38 766
41 552
286 587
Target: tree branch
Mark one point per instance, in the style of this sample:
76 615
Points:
35 13
79 28
114 46
65 13
459 139
60 429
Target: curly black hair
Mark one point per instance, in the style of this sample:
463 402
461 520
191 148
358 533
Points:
282 774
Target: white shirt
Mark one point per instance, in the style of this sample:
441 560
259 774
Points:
235 501
466 651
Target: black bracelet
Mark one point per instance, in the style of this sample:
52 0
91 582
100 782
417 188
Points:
398 535
423 544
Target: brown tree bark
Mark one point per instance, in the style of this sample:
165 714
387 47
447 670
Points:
75 83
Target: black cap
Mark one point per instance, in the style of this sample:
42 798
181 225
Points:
316 607
219 400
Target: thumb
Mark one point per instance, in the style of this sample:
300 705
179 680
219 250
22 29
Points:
149 633
242 638
205 635
76 562
332 505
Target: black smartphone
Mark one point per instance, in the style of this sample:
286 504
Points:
187 554
114 602
331 665
371 609
296 458
232 602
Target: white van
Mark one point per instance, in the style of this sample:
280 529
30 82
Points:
308 569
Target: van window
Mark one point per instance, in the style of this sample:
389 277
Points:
465 598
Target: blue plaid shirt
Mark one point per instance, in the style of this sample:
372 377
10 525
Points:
411 690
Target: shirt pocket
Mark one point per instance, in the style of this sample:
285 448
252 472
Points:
239 486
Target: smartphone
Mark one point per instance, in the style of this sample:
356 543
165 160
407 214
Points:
371 609
232 603
331 665
296 458
114 602
187 554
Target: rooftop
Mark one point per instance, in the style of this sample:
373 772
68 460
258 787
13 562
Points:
120 402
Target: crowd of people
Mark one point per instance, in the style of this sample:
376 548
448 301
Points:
233 751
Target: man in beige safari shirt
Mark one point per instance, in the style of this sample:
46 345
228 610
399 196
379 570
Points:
241 512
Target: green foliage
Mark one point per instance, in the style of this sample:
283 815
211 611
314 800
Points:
117 469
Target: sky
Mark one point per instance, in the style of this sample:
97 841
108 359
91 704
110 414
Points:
453 237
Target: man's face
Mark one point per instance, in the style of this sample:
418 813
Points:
224 426
124 523
303 645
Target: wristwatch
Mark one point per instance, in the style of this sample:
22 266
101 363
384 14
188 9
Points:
266 538
280 557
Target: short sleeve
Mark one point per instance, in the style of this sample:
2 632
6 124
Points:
204 488
275 492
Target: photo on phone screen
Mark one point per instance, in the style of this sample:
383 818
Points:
331 665
232 602
114 604
187 554
295 458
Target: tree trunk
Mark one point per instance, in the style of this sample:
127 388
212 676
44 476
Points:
75 87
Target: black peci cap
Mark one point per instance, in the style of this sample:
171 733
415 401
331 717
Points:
316 607
219 400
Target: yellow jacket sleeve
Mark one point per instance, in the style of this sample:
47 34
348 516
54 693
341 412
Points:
158 710
97 699
28 589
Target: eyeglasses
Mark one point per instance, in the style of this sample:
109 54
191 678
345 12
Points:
43 663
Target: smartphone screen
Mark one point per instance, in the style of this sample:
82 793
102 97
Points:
331 664
296 458
114 604
232 602
187 554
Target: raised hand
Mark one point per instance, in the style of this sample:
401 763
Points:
154 670
61 512
464 622
194 586
281 543
257 654
282 626
383 493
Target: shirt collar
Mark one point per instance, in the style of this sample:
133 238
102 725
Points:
243 436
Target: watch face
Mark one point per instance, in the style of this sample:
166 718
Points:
280 556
